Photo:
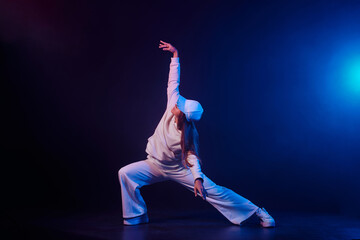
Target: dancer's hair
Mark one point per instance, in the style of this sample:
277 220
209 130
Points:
189 138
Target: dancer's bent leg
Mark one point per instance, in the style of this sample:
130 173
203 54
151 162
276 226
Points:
233 206
132 177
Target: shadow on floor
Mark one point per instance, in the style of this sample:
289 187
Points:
173 225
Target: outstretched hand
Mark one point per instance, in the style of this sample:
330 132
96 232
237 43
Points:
168 47
199 188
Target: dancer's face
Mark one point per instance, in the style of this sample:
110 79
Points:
176 111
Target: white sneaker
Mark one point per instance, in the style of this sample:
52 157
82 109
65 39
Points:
136 220
265 219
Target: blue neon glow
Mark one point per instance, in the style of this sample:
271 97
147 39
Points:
352 76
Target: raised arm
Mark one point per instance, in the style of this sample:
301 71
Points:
174 74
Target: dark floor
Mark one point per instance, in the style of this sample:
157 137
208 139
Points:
172 225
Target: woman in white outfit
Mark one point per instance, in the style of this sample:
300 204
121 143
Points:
173 155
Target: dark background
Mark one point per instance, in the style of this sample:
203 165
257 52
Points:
83 85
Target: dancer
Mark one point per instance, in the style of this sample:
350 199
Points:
173 154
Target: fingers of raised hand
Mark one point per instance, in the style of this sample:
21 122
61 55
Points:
165 46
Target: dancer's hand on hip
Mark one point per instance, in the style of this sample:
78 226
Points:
168 47
199 188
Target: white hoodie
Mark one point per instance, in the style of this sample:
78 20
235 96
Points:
164 144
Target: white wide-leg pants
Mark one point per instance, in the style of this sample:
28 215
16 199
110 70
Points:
135 175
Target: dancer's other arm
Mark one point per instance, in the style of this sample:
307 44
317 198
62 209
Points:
199 187
174 74
198 176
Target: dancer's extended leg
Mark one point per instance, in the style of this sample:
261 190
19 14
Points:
132 177
233 206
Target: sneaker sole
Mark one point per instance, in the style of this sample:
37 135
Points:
267 224
136 220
